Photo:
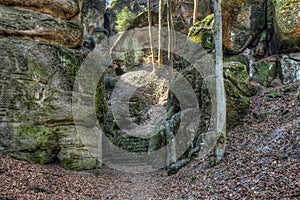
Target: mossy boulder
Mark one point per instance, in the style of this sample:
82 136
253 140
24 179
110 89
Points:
265 72
287 25
202 32
238 89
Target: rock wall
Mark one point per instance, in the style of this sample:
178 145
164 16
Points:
37 73
36 117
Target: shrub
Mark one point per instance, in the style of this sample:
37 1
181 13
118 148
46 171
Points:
124 19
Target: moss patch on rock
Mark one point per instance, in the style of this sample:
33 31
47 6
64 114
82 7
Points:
265 72
202 32
238 89
36 144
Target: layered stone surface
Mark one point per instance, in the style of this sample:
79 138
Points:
63 9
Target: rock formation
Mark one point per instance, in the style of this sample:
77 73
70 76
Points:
37 71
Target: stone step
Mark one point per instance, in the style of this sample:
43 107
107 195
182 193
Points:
133 144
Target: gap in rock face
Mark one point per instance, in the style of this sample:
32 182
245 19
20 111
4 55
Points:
136 100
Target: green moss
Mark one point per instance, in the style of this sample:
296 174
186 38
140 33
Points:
286 25
265 73
34 136
157 140
246 101
202 32
236 72
35 143
141 20
206 22
238 89
68 164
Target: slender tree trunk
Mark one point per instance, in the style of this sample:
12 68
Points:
170 33
153 52
220 90
171 40
160 21
196 11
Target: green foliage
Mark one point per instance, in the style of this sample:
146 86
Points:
113 3
124 19
274 94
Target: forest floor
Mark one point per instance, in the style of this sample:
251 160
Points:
262 161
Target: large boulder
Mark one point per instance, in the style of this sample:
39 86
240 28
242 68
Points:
36 121
242 22
287 25
289 68
38 26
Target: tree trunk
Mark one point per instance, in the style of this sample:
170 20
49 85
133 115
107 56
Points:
160 21
153 52
196 11
220 91
170 33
